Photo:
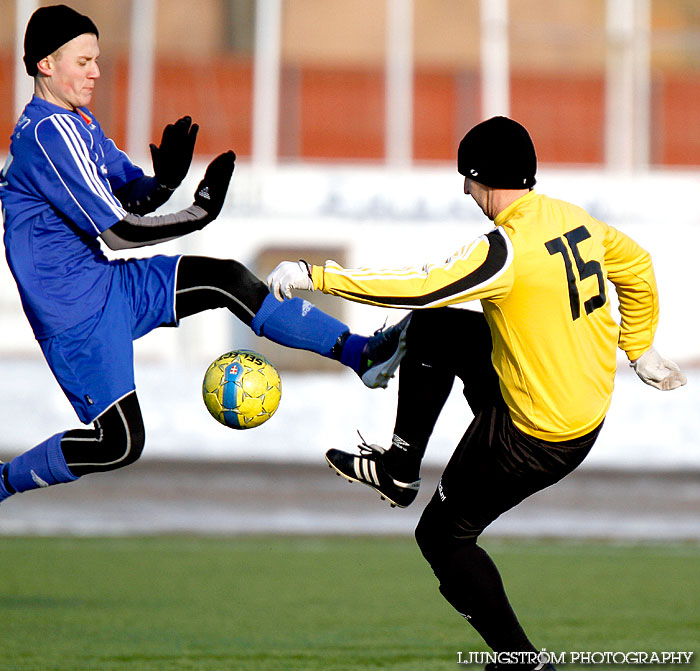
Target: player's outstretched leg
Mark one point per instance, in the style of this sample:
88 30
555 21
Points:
425 380
116 439
204 283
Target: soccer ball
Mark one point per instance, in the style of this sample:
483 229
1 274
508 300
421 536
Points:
242 389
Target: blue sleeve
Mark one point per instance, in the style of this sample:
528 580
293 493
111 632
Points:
120 169
74 177
137 193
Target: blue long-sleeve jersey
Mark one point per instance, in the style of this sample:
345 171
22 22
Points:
57 192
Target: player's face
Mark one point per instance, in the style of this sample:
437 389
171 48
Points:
71 72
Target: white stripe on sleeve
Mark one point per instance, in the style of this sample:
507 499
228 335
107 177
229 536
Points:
60 179
87 169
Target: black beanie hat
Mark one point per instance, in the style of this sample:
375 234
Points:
50 28
498 153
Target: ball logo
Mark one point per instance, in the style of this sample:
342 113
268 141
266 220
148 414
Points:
233 370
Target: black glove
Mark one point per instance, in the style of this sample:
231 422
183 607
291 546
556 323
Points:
172 159
211 191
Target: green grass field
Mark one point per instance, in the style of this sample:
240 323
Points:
336 604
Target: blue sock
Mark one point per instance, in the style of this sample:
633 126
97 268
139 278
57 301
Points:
351 355
297 323
42 466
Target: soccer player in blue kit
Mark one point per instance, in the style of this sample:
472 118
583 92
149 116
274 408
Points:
64 185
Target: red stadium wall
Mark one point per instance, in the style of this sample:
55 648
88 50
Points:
564 114
221 102
676 120
338 114
342 114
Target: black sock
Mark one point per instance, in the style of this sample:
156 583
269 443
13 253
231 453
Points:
471 583
337 350
5 482
416 414
402 461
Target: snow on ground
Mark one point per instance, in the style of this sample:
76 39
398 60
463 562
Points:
645 428
639 483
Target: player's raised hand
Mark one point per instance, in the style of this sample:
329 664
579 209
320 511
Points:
172 159
211 192
658 372
287 276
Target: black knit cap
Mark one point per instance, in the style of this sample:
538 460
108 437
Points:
50 28
498 153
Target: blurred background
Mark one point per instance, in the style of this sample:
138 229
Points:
597 82
345 116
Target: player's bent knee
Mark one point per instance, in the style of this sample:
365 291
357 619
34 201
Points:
249 285
116 440
438 535
430 535
132 447
205 283
124 435
240 273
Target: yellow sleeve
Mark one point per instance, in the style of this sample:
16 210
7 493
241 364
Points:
479 270
630 269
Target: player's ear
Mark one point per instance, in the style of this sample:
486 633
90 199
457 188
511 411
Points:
45 66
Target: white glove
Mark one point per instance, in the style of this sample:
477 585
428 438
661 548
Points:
287 276
658 372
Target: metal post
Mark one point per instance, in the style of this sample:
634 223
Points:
398 132
642 76
266 82
627 97
141 77
24 85
495 66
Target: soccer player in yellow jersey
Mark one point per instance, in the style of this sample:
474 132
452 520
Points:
538 365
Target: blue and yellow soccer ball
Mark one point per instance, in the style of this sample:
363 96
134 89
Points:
242 389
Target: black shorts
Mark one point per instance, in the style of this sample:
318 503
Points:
495 465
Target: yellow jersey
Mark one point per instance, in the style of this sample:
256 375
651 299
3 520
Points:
541 276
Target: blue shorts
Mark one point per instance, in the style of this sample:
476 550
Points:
94 361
